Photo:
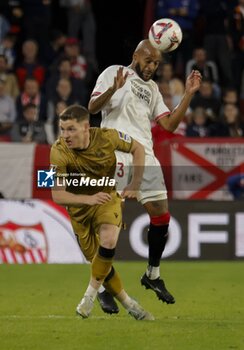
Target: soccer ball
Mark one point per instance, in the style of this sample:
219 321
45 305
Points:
165 34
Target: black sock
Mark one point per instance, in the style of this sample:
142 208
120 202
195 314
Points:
157 238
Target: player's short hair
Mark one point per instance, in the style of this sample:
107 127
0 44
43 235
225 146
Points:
77 112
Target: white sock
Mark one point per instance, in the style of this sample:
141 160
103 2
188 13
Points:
127 302
153 272
101 289
91 292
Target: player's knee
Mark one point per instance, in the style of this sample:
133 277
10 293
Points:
160 220
108 236
106 253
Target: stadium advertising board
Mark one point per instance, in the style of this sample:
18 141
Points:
196 168
38 231
205 230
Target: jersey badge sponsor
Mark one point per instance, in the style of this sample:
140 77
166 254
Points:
124 137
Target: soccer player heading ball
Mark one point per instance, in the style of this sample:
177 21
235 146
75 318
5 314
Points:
129 100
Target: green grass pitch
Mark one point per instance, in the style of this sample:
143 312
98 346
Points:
37 309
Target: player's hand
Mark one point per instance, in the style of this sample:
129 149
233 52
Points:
129 192
99 198
193 82
120 79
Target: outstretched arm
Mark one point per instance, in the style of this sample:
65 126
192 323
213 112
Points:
193 83
97 103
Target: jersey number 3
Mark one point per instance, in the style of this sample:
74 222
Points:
120 169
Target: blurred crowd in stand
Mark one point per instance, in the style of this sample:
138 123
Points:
49 60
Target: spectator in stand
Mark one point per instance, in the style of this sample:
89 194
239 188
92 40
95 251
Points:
12 9
230 124
64 72
237 35
54 47
7 112
63 97
207 68
229 95
80 68
32 94
216 37
236 186
199 127
51 126
63 93
30 65
11 83
183 12
165 73
7 48
29 129
242 97
77 60
37 21
206 99
4 26
81 24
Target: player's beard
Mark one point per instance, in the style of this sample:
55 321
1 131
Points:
140 73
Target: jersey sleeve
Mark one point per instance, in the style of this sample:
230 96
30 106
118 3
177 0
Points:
104 81
121 141
58 160
160 110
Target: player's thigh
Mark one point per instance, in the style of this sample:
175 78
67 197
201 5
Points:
109 235
153 185
107 221
156 207
87 238
123 170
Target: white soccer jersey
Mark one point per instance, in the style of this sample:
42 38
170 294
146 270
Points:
132 107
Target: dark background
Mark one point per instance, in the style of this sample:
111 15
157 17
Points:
119 28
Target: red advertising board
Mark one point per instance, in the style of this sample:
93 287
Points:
199 168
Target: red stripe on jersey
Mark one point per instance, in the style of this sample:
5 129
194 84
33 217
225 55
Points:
96 93
161 116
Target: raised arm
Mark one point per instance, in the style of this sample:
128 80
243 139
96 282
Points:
172 121
97 103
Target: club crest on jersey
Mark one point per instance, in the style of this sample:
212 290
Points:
124 137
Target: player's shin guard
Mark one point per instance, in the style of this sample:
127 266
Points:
102 263
157 237
113 283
